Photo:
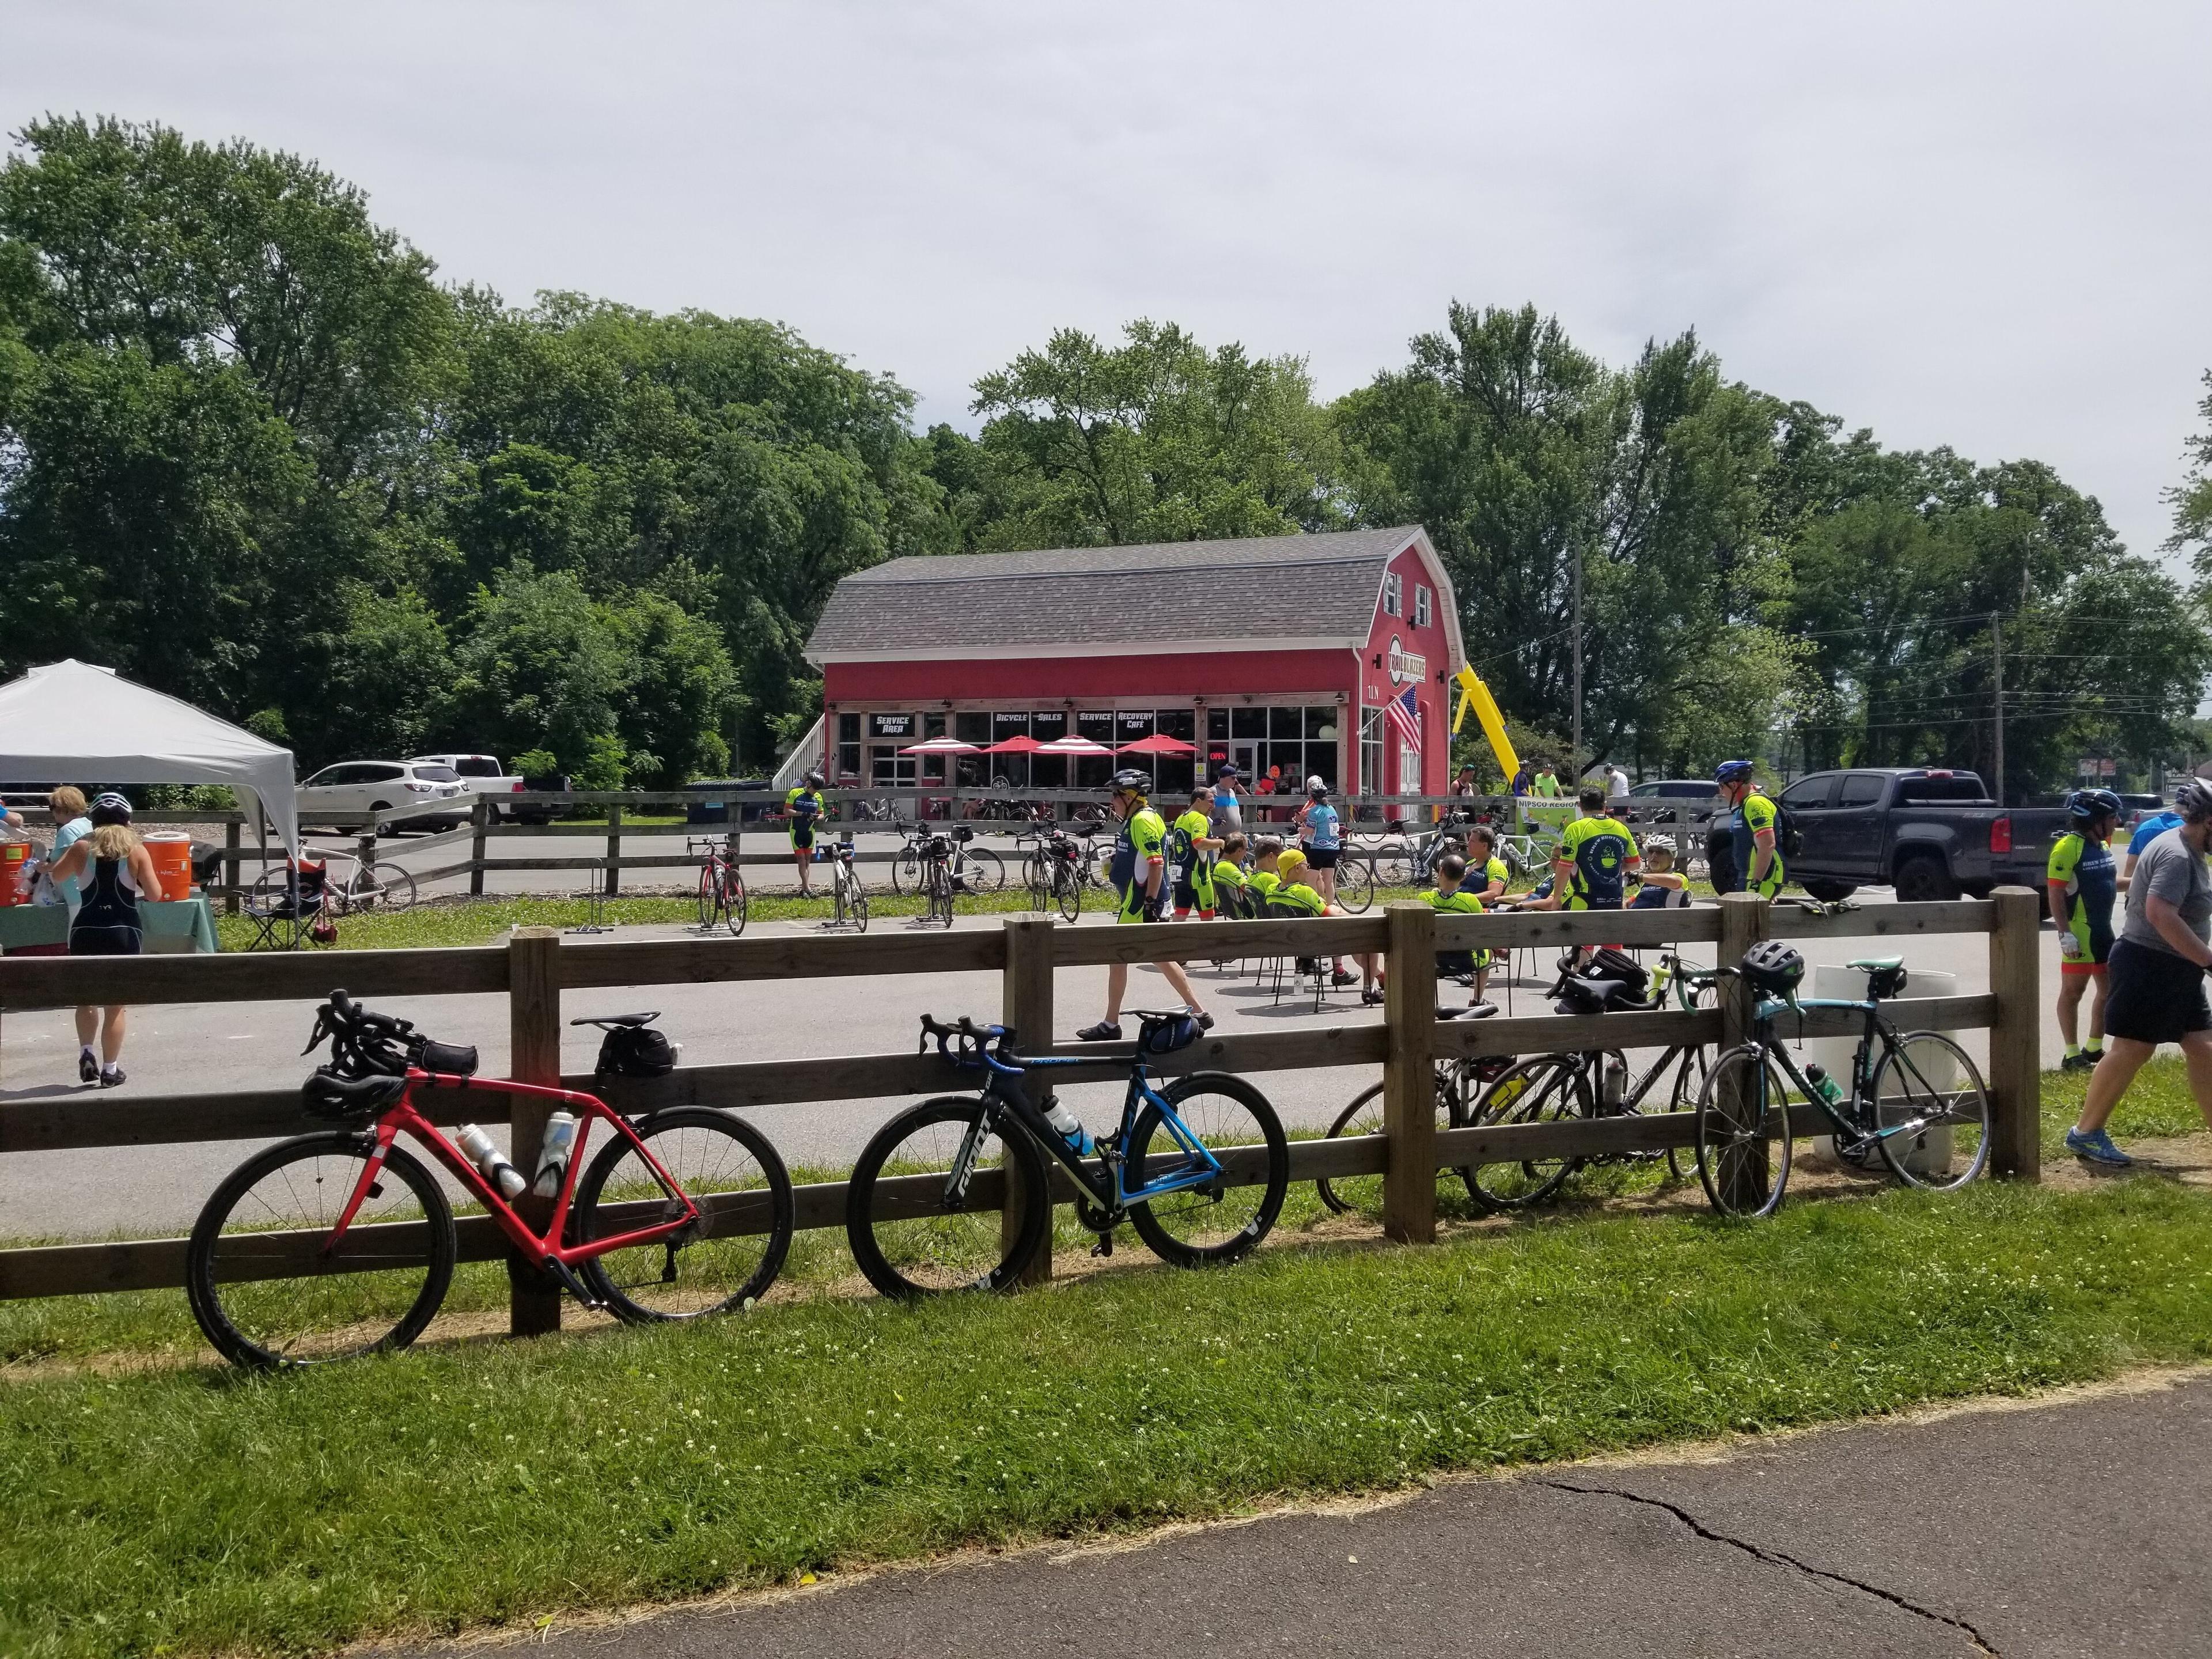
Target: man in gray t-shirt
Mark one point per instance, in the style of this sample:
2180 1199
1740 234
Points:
2169 868
2157 975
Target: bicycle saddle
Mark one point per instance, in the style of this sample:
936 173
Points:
1876 964
608 1022
1396 826
1479 1011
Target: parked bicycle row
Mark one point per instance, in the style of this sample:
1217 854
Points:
344 1241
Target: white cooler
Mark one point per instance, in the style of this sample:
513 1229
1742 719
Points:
1833 982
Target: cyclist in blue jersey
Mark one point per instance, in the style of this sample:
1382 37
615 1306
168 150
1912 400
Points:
2149 830
1320 837
2080 882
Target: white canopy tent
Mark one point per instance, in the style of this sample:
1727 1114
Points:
74 721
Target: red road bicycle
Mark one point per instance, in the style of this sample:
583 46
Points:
341 1243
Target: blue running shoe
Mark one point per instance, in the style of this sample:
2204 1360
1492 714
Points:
2097 1148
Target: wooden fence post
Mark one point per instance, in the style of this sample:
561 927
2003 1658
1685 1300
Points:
1744 921
533 1003
480 817
230 847
614 850
1025 1007
2016 1035
1409 1075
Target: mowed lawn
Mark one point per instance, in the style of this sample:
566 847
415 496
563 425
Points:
169 1509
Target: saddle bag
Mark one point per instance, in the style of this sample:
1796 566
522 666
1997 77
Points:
635 1051
1164 1037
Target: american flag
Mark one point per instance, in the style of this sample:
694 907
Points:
1405 712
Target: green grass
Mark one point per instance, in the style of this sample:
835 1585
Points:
2157 1103
186 1511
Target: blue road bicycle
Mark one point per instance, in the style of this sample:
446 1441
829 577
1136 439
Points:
1198 1168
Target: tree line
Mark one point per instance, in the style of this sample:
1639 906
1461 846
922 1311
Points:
254 454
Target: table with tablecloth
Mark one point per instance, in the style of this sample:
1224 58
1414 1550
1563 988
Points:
172 926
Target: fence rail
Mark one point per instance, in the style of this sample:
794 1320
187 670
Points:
535 967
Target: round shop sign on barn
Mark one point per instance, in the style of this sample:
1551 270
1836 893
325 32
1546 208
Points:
1405 664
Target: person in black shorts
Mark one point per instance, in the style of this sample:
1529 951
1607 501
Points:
2157 975
111 868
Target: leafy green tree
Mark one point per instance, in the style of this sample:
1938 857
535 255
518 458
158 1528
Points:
2192 497
538 667
1156 441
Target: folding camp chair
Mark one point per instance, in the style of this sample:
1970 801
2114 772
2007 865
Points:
286 903
1301 969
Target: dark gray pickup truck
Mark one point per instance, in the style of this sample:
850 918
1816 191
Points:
1930 834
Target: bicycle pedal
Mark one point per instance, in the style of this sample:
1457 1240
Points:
1105 1247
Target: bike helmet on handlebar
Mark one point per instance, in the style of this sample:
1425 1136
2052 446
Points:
1773 966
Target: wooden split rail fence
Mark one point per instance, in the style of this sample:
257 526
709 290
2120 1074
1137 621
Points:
535 967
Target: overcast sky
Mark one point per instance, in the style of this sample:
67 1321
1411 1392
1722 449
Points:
1978 225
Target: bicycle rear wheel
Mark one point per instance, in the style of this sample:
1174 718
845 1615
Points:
922 1211
1224 1220
375 1289
858 906
1362 1194
1355 884
1743 1134
1547 1089
1927 1078
732 1172
906 871
985 871
1070 892
388 887
733 906
709 892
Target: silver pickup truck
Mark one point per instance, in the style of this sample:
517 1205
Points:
1929 833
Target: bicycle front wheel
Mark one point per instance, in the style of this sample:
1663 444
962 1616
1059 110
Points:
267 1287
1547 1089
710 891
1362 1194
1224 1220
922 1211
1743 1133
905 873
1928 1080
733 906
1070 893
986 872
860 906
730 1170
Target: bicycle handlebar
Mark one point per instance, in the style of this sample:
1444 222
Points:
975 1042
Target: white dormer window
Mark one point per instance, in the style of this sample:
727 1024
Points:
1420 605
1394 594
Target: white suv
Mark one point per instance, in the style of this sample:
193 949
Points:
361 786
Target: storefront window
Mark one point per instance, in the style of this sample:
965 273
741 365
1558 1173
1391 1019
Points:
1049 771
1247 722
1010 771
1216 723
849 745
972 728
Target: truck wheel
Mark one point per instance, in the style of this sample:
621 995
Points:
1924 878
1830 892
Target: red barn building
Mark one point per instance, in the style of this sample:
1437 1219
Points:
1280 652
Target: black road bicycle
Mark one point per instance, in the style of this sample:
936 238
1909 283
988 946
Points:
1198 1166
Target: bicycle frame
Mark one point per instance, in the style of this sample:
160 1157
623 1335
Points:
1864 1128
546 1250
1004 1086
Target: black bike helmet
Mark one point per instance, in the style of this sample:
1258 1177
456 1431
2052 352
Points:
815 779
1130 782
2087 803
2193 800
1773 966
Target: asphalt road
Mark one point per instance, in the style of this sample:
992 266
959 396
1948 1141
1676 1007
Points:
214 1047
2060 1530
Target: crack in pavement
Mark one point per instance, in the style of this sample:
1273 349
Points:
1778 1557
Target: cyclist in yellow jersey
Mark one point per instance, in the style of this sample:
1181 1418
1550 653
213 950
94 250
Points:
1295 894
2082 884
1751 820
1139 873
1191 851
1453 897
802 807
1595 858
1260 883
1228 876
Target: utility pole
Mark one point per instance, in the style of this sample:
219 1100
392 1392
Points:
1996 649
1575 761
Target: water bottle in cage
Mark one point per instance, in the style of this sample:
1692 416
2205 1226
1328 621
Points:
553 1158
484 1153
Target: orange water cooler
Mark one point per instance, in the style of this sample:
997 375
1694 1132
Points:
171 853
14 856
